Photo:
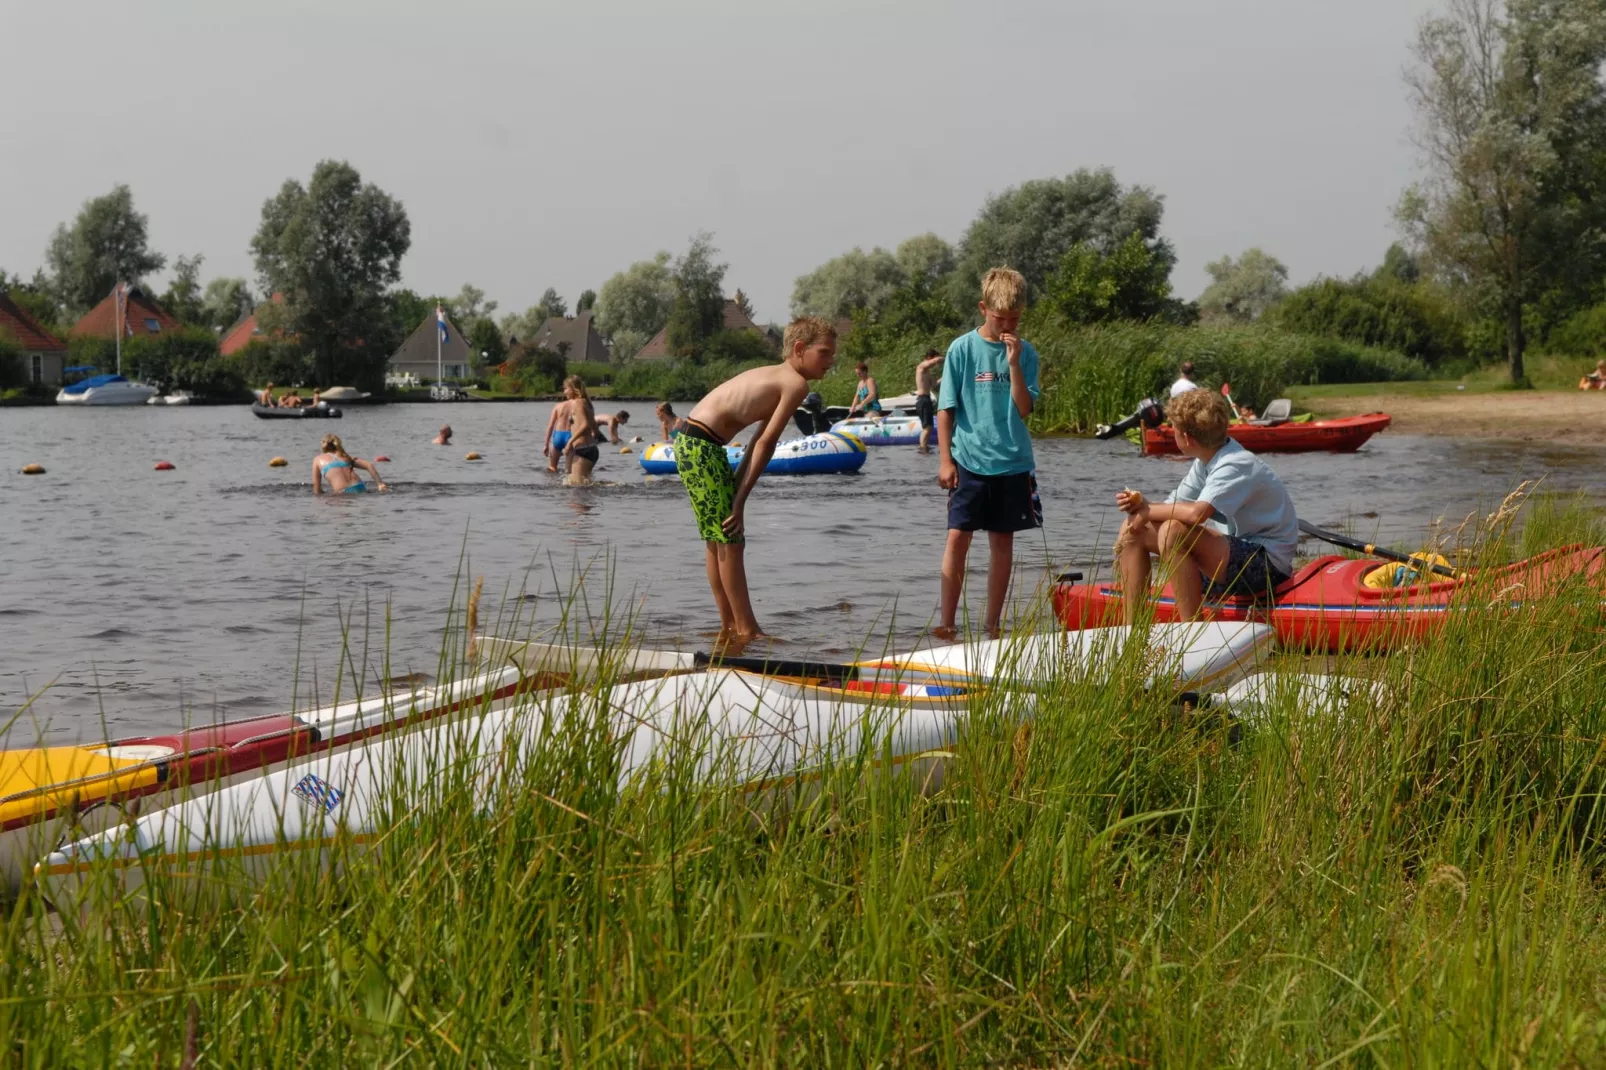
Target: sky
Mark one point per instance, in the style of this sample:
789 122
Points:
537 144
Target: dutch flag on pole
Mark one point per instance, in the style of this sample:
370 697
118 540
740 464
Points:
440 322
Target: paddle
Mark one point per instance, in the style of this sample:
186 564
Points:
1226 392
1375 551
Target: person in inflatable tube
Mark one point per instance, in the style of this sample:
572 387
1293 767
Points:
768 396
1230 528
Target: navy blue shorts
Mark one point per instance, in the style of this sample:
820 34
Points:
994 503
1250 573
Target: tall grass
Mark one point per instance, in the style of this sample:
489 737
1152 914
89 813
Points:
1410 880
1091 375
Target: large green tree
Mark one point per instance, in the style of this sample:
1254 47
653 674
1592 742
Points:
636 302
1242 290
225 300
854 280
1511 120
925 256
333 249
699 310
106 244
184 297
1032 226
1127 283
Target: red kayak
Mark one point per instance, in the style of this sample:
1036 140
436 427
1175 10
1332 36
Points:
1326 607
1344 435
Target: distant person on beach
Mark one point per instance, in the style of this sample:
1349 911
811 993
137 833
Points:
668 420
339 469
1229 529
926 396
443 437
1595 380
866 399
613 423
1184 381
558 427
989 387
581 449
768 396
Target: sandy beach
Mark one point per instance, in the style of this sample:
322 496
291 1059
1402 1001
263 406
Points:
1510 414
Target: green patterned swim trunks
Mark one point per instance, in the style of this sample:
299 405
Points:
710 484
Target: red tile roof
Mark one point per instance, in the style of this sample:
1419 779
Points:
141 310
245 331
15 321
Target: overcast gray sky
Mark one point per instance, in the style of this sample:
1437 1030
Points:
539 144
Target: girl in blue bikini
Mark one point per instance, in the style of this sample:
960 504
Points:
340 469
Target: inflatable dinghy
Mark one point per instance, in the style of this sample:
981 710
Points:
825 454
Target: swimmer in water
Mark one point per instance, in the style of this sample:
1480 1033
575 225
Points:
443 437
559 427
582 447
613 424
339 468
668 420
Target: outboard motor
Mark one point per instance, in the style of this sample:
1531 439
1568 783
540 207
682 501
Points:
1149 414
811 418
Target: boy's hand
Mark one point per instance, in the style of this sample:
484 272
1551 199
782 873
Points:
1011 346
1131 502
732 525
948 475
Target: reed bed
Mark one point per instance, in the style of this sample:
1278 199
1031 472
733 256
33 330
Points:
1410 877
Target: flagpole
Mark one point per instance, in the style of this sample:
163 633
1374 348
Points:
117 323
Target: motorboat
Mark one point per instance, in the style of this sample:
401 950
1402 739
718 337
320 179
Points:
345 395
177 397
105 390
320 411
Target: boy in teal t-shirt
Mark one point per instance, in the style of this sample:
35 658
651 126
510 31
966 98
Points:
989 386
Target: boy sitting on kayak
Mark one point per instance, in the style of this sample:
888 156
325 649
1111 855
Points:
718 497
1229 529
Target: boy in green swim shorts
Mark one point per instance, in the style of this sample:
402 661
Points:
718 496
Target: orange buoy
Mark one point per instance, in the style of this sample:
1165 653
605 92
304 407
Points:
381 457
624 449
33 469
164 466
472 456
278 462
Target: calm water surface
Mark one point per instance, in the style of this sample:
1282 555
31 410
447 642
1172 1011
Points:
138 599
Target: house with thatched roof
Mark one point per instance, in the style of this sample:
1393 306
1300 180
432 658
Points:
734 318
417 355
572 337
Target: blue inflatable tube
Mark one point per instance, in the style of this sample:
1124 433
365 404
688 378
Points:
830 453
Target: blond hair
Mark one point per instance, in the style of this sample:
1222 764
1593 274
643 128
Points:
1004 290
810 330
578 385
331 444
1201 415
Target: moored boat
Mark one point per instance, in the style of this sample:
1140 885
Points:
105 390
1327 607
1344 435
824 454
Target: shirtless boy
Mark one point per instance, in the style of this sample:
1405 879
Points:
926 396
718 497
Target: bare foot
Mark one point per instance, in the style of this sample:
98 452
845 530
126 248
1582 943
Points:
947 632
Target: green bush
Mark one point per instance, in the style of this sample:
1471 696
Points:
13 373
1411 318
593 372
187 359
268 360
1582 335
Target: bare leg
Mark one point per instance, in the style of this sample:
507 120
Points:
953 578
925 440
1138 541
721 602
1192 553
1001 559
579 471
733 577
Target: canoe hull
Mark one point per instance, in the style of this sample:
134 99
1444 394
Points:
1344 435
1326 608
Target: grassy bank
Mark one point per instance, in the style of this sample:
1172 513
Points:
1411 882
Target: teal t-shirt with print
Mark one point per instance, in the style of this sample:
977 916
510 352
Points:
990 438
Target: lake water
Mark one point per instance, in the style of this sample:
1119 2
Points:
137 599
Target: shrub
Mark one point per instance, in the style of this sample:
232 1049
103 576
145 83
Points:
1582 335
1412 318
12 370
269 360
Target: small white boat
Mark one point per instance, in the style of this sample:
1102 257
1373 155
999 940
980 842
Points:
344 395
177 397
105 390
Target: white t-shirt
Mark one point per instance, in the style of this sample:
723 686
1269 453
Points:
1182 386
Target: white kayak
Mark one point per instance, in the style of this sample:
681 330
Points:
755 732
887 431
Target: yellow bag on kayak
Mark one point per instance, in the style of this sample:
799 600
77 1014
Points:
1398 574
